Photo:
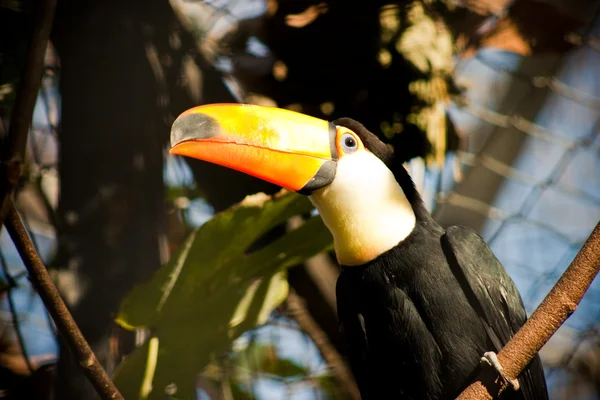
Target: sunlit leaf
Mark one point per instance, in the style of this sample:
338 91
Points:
427 45
212 291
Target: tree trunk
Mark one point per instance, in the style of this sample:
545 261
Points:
112 137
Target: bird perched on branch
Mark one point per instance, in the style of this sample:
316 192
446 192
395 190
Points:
419 305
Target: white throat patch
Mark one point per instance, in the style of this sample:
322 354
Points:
364 208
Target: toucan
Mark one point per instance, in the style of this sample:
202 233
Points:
419 306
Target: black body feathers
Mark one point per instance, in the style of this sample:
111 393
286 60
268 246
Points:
418 318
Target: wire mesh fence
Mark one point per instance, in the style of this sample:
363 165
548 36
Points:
529 181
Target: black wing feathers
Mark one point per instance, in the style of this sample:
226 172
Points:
493 295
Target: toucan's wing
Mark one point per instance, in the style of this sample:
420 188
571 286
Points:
352 327
493 295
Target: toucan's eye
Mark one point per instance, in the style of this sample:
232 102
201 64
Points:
349 144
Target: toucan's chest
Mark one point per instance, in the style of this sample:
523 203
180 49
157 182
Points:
417 267
417 321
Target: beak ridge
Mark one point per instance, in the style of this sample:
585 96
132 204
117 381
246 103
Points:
194 126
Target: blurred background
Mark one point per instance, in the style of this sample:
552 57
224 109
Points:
494 105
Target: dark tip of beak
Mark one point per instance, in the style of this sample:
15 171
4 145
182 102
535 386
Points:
194 126
322 178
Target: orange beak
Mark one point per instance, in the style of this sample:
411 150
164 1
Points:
283 147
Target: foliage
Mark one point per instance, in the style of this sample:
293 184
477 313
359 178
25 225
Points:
399 45
427 45
212 291
244 365
260 359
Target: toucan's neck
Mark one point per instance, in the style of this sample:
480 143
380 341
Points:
412 194
365 209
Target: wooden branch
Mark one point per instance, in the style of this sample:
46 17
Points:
335 361
558 305
13 154
55 305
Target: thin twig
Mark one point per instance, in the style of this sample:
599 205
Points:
298 311
13 154
558 305
42 281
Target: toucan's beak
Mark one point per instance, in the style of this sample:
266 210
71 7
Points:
283 147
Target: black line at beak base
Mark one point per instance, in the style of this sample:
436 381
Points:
322 178
332 137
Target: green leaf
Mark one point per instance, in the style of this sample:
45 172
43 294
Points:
212 291
330 387
426 43
239 391
263 358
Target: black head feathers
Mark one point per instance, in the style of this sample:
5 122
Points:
385 152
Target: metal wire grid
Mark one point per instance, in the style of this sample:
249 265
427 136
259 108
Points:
500 220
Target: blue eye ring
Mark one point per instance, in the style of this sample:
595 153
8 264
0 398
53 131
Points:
349 143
